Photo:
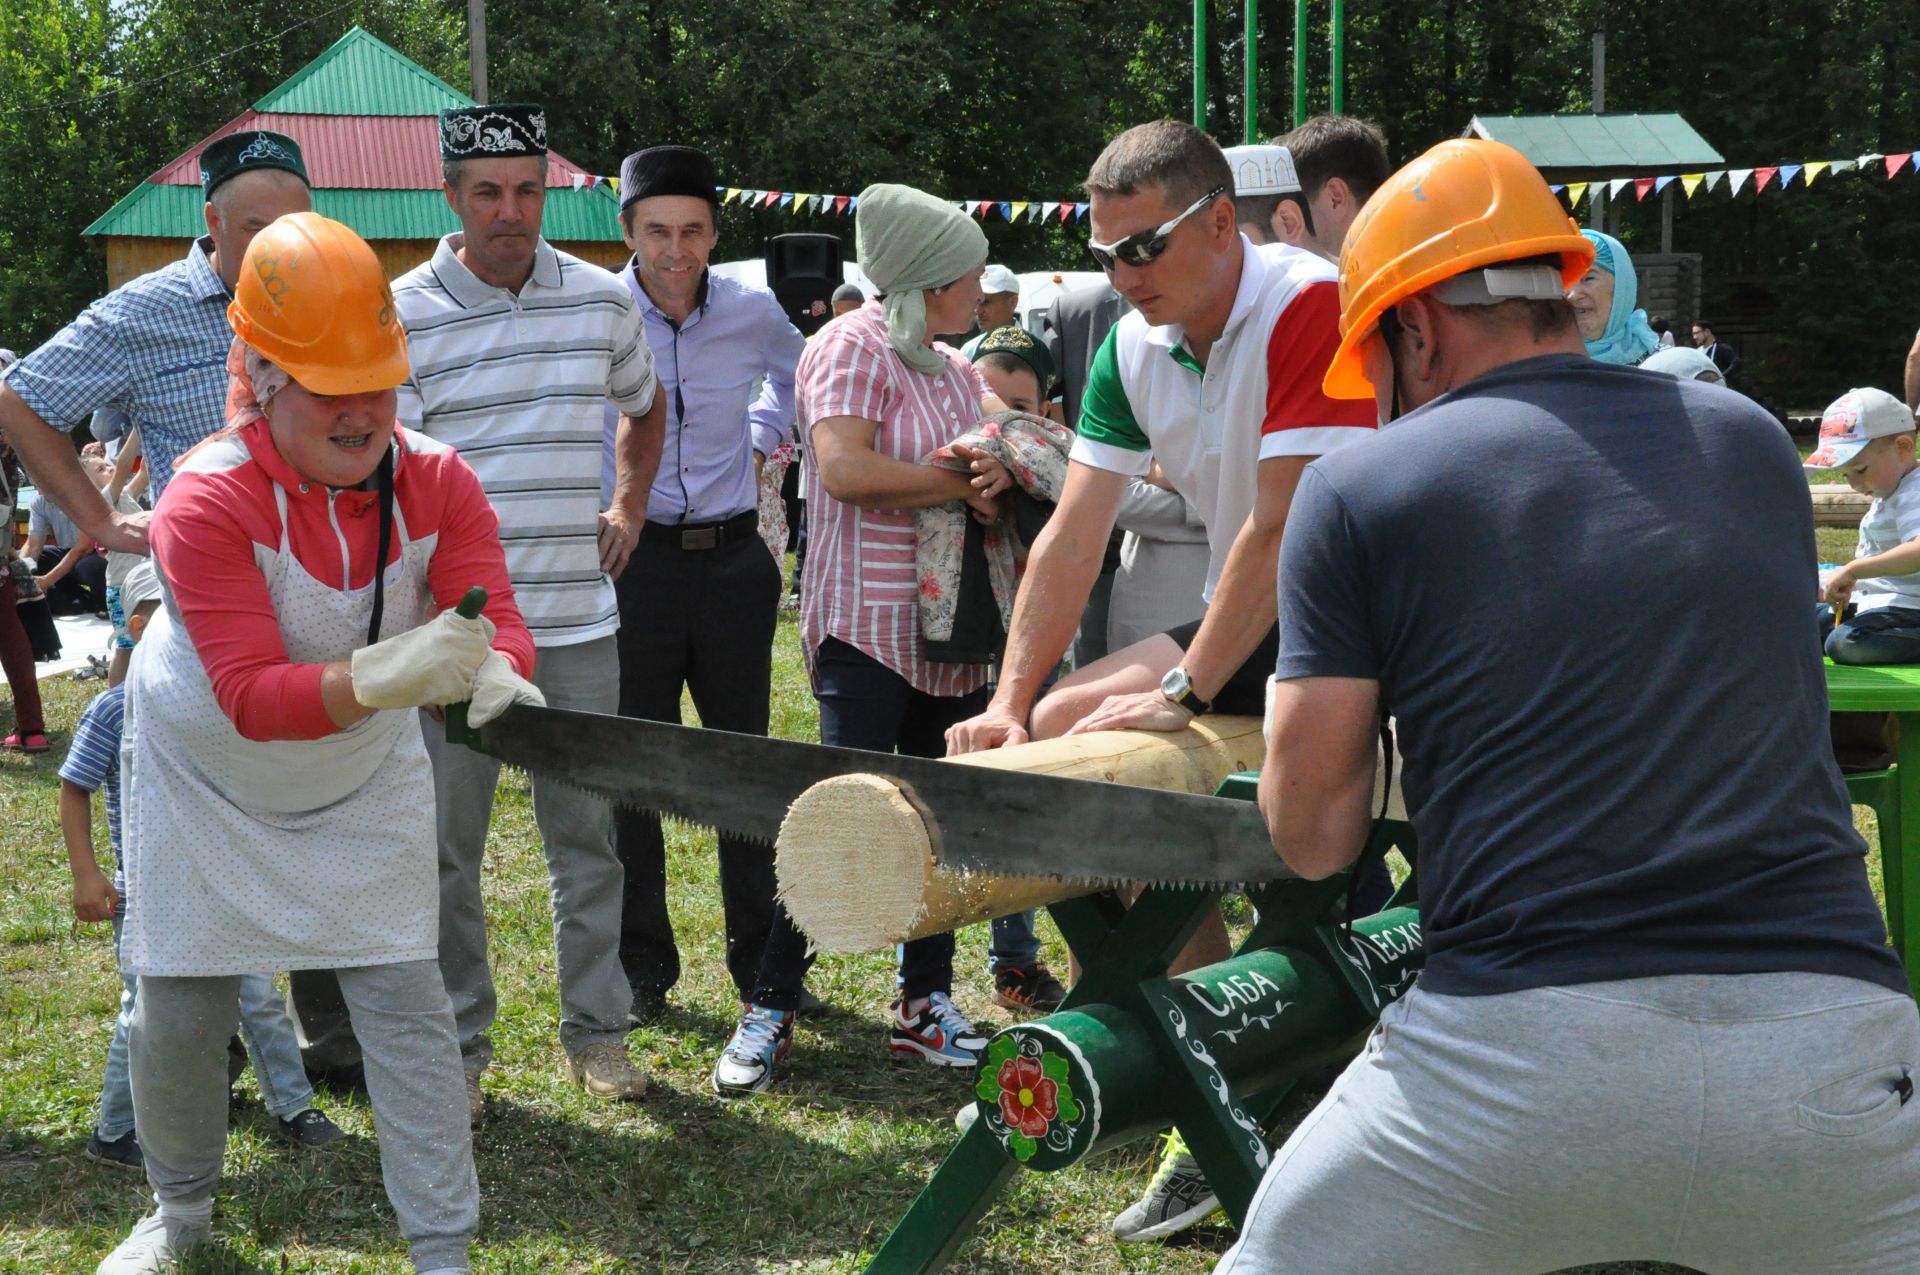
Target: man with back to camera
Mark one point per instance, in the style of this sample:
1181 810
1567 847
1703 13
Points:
1659 1019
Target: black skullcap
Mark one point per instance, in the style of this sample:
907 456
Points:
237 153
668 170
503 130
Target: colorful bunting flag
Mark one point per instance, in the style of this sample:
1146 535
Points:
1615 187
1080 211
1006 210
1575 192
1019 211
1047 210
1739 178
1690 182
1897 162
1761 176
839 203
1641 185
1816 167
1661 183
1066 211
800 201
1788 172
733 193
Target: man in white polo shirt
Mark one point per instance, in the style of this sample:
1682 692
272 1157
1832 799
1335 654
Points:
1212 385
515 349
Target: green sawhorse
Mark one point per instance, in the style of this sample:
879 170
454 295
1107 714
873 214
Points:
1132 1050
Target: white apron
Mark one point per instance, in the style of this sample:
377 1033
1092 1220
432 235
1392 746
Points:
290 854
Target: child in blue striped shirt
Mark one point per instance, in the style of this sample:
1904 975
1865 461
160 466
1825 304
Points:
93 765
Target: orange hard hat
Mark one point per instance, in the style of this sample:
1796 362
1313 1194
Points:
314 302
1466 203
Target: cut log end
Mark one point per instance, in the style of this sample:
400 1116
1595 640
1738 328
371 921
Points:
857 863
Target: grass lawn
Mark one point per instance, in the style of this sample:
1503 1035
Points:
808 1178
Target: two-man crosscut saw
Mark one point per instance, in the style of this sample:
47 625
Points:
1004 822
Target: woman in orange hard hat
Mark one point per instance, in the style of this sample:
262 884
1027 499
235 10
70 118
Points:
1659 1018
280 806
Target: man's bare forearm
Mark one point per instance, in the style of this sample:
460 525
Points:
54 465
638 442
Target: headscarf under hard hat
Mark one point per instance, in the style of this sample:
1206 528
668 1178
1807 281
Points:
1627 339
907 242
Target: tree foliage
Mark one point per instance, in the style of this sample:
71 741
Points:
991 98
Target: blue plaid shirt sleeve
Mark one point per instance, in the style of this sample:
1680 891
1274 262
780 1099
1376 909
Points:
84 366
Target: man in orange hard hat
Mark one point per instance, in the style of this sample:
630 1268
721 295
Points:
1659 1018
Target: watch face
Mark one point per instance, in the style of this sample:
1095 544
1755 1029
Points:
1176 684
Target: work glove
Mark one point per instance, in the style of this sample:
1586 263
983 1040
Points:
496 688
433 664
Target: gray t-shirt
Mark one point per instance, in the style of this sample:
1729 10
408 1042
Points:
1584 591
50 521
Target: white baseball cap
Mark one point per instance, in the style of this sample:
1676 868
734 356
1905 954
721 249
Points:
999 279
1262 170
1855 419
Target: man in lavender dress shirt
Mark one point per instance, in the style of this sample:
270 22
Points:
700 597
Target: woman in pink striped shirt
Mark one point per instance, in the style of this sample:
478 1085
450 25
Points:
875 393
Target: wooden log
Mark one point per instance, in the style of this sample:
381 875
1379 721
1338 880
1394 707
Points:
855 861
1838 505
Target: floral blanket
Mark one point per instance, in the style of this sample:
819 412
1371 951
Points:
1034 450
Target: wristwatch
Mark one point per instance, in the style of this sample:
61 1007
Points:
1177 688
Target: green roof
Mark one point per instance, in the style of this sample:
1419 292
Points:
363 75
1642 143
175 212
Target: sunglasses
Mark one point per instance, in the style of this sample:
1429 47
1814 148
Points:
1142 247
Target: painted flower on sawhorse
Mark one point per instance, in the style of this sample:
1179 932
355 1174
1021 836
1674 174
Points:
1031 1091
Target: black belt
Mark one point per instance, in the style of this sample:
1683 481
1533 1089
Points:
702 535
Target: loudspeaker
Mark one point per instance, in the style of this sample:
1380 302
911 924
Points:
803 270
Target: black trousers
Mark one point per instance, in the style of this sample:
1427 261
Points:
83 590
865 704
703 620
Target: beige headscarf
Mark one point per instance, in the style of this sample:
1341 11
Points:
907 242
251 381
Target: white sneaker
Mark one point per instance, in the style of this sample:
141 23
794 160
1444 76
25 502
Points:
154 1246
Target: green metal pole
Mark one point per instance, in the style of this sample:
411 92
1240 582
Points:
1337 34
1250 83
1299 62
1200 64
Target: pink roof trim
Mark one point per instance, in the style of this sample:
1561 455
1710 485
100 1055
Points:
359 152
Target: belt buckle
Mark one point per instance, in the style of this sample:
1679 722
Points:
700 538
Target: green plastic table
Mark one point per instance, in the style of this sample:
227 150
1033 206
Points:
1894 794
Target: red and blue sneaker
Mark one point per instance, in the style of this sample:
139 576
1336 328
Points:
937 1031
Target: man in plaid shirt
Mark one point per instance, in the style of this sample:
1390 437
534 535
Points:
156 346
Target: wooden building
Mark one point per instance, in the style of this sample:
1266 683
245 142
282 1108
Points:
366 118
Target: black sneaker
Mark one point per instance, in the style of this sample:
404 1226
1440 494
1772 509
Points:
122 1153
1036 991
648 1008
310 1130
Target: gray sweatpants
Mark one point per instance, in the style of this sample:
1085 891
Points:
1743 1125
577 832
178 1048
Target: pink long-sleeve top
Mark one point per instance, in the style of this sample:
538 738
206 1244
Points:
218 513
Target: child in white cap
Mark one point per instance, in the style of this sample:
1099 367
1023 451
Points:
1868 435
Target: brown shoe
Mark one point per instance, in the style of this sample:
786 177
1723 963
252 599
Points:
476 1102
606 1071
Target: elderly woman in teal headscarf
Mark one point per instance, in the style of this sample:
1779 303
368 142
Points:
1603 304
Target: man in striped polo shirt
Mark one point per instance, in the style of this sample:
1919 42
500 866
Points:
515 348
1212 386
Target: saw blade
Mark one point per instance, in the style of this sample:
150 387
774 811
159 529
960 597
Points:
1003 822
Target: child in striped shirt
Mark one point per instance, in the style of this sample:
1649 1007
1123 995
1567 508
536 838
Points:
93 765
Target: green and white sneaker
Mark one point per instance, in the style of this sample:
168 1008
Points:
1176 1198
